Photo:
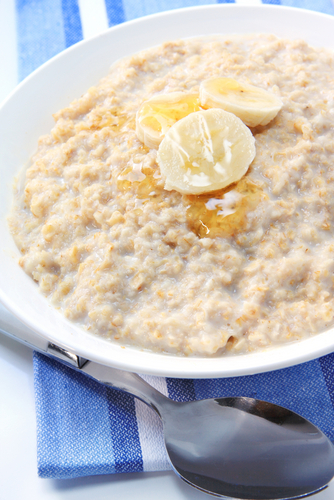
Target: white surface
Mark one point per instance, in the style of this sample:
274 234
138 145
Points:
12 326
93 17
68 78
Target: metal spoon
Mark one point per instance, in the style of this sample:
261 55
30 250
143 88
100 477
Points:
234 447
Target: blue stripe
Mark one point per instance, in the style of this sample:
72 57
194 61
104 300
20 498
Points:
115 12
225 1
301 388
72 422
181 389
272 2
324 6
124 432
40 33
72 22
327 367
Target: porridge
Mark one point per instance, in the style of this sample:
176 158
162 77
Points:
234 270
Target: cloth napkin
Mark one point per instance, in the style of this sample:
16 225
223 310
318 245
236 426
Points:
84 428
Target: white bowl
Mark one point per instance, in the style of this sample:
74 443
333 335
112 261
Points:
27 114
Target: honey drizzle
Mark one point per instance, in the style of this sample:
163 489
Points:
219 213
169 112
147 188
206 216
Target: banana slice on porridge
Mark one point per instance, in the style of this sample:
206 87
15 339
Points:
253 105
205 151
157 115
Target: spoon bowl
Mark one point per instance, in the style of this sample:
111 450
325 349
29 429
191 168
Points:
245 448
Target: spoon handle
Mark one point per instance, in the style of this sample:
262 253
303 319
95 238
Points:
127 382
124 381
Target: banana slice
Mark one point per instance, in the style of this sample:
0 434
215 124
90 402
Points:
158 114
205 151
253 105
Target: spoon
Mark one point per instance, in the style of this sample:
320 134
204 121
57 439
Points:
234 447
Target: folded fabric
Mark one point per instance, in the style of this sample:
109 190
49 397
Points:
85 428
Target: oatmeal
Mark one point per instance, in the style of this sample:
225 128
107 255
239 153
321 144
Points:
237 270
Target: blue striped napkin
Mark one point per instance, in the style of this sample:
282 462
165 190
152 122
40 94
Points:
85 428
